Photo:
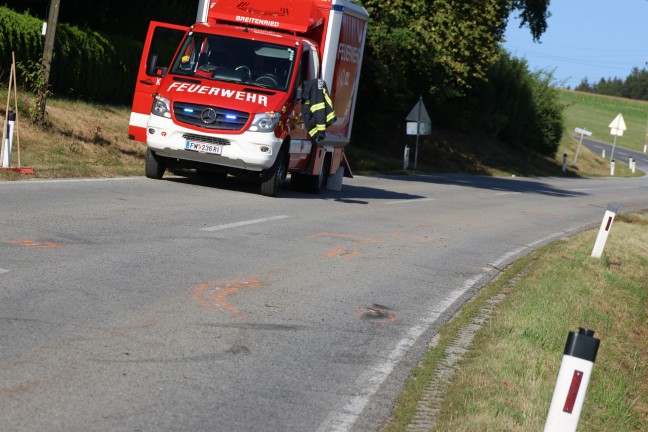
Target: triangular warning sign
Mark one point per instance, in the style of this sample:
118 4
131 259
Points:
419 109
617 126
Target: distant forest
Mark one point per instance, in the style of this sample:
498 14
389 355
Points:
635 86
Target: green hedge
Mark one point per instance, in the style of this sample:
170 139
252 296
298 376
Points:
85 64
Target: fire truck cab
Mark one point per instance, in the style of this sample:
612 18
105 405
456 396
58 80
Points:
227 98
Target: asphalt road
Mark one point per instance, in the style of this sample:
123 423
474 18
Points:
620 154
142 305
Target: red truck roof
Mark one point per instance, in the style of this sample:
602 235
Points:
299 16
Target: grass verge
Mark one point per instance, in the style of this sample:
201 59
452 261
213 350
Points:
506 379
78 140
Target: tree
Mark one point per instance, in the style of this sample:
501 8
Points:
449 44
435 48
113 17
584 86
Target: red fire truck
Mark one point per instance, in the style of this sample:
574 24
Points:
224 96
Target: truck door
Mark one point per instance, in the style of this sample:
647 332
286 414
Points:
162 41
308 70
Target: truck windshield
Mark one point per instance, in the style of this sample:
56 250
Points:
238 60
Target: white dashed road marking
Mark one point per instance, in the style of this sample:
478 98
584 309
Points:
243 223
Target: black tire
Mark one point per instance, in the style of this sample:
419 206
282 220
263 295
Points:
154 165
297 181
317 183
272 181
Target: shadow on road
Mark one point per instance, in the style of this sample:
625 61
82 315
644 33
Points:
353 194
517 184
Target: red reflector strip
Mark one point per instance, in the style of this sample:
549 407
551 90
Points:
607 228
573 391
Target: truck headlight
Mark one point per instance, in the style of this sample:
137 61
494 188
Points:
161 107
264 122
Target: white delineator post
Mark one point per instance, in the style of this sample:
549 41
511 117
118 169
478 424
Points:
406 158
606 224
8 139
573 379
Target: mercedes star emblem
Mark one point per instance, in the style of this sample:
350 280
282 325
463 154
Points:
208 116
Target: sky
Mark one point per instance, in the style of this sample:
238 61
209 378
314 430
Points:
590 39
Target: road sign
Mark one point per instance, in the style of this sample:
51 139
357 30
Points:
617 126
418 123
582 132
419 113
423 128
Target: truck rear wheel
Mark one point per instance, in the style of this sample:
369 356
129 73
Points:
271 184
154 165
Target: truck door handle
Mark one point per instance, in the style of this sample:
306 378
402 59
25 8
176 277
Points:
147 82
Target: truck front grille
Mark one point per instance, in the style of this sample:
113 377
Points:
210 117
206 139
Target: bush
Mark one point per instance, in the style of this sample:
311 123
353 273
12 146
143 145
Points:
519 107
85 64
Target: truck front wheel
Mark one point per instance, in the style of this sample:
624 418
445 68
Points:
271 184
155 166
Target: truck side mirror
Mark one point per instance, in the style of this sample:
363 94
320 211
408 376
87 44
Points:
152 69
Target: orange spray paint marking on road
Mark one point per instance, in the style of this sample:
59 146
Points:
342 252
212 296
357 239
34 244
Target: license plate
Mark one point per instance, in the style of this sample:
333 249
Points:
203 148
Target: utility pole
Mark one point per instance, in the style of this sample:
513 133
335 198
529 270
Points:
46 63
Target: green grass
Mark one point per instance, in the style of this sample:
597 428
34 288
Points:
506 379
78 140
595 113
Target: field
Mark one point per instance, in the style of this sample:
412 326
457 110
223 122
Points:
594 113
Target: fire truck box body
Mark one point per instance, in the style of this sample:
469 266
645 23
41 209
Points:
229 101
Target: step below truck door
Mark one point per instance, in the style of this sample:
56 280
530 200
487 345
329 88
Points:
162 41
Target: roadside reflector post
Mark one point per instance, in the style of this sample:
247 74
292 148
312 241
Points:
574 375
406 158
564 165
612 167
633 165
645 147
7 141
604 231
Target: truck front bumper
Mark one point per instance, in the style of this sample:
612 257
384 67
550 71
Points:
252 151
